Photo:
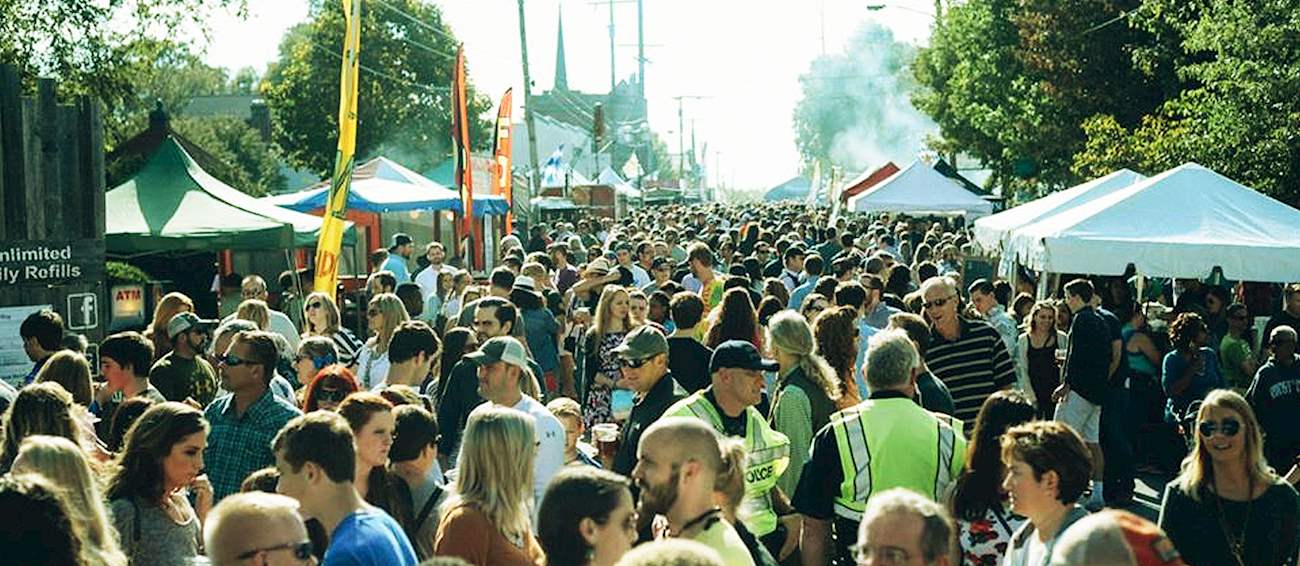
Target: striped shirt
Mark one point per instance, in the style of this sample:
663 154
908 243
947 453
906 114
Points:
973 366
347 345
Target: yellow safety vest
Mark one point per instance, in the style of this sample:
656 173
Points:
893 442
767 455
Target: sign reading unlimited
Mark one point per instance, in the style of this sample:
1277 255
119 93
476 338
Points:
49 262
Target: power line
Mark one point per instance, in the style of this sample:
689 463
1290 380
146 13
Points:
426 88
416 20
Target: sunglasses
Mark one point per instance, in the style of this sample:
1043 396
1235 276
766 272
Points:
332 395
372 312
634 364
301 550
1226 427
231 360
938 303
314 305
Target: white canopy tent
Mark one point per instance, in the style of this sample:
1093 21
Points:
919 189
992 233
609 177
1180 223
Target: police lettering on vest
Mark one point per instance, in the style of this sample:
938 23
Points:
767 454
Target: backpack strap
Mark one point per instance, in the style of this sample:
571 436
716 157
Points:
427 509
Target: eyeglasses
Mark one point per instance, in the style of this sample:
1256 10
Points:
886 555
938 303
314 305
301 550
1226 427
372 312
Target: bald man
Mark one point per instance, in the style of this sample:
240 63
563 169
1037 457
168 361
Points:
257 528
678 461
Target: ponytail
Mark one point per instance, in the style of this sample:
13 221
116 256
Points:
730 481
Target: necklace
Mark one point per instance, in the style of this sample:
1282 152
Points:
1236 544
704 518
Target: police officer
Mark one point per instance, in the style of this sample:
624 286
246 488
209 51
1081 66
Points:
886 441
728 406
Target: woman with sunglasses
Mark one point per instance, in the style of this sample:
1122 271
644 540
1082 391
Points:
1227 507
383 314
1191 370
321 318
330 386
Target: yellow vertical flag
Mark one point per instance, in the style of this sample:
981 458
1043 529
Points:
336 208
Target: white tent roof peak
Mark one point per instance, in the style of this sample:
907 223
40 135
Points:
992 233
919 189
1180 223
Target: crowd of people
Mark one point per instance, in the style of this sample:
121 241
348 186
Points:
706 385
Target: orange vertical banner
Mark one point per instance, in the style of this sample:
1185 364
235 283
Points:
460 141
501 175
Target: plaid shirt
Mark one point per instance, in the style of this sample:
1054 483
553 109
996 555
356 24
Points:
241 445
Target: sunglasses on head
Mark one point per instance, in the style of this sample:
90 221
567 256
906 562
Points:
301 550
938 303
1226 427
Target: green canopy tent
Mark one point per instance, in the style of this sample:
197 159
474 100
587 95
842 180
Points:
173 205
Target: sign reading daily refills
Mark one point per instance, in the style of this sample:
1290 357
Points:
49 262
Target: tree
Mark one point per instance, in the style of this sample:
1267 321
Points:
102 49
855 110
1011 83
1240 111
404 103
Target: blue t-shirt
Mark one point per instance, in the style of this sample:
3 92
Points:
1208 379
369 537
397 264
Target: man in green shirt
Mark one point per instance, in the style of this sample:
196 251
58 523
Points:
1234 350
183 375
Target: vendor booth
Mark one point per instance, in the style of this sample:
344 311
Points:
919 190
992 232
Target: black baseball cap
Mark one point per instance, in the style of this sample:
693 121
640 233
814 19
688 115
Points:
739 354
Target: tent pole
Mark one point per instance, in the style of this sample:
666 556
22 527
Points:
297 282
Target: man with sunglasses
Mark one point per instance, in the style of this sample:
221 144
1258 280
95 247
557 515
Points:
265 526
968 355
643 354
244 422
182 374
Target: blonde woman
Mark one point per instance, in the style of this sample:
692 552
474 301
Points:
1227 506
255 311
1038 372
170 305
485 521
600 368
383 315
64 464
39 408
321 318
807 389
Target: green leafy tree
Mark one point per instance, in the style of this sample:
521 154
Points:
1240 111
102 49
404 102
855 111
253 164
1011 82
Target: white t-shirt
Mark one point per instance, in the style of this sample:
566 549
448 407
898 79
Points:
282 325
550 445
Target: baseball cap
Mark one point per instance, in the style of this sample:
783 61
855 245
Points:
400 239
642 343
500 349
1115 538
188 321
741 355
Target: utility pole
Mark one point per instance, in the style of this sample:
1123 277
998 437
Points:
640 49
535 178
681 134
613 78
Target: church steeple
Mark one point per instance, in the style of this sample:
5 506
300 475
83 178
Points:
561 73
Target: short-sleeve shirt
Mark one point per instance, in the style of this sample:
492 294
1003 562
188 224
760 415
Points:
688 361
239 445
178 378
150 536
722 537
397 264
1233 351
369 537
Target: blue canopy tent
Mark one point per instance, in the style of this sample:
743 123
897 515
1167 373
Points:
794 189
381 185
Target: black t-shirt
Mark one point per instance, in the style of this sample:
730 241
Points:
646 411
459 396
688 362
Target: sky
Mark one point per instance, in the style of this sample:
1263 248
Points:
743 58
